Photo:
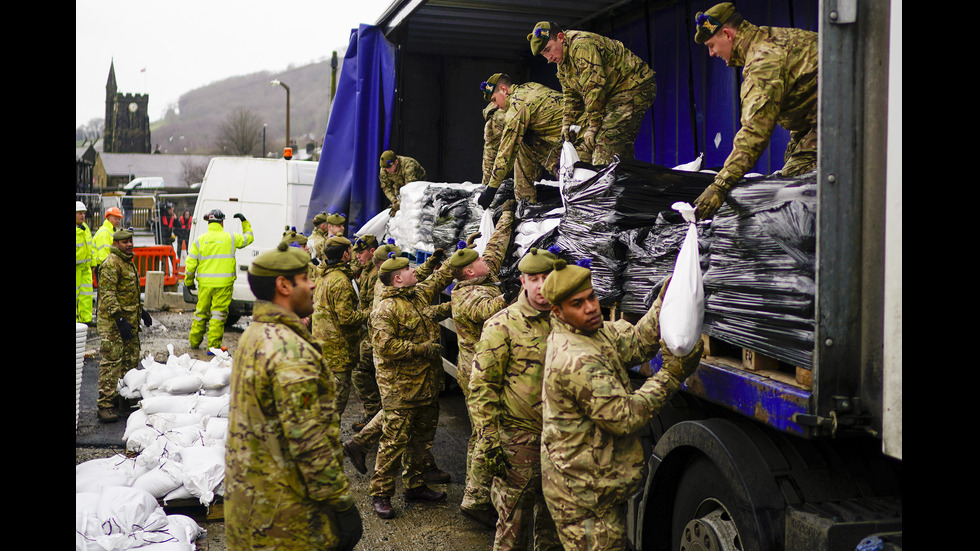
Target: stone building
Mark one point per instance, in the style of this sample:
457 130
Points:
127 120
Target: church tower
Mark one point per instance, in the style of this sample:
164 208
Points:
127 119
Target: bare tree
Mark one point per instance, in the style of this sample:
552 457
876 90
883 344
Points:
193 172
240 133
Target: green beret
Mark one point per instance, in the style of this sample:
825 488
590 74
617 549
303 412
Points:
565 280
394 263
337 240
387 158
320 218
488 85
281 261
537 261
365 242
336 219
119 235
381 252
708 22
290 236
464 256
542 33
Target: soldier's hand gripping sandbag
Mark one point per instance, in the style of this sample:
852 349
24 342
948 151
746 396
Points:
486 197
682 310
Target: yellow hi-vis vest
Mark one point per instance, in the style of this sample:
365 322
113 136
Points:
84 249
103 241
211 260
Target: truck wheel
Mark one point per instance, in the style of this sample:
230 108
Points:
705 510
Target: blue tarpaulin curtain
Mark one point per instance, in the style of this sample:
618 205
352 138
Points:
358 131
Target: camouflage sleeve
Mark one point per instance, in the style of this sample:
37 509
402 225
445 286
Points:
499 242
515 123
586 56
345 304
438 312
486 383
435 283
108 284
573 110
761 91
413 171
640 342
491 142
388 186
384 329
312 431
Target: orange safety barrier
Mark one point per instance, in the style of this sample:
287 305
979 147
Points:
158 258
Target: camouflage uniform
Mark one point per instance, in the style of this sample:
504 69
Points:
409 170
338 325
119 297
531 137
492 130
410 378
315 244
284 465
473 301
363 377
612 86
591 457
505 407
779 86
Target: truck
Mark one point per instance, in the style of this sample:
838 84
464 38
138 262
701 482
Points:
756 461
272 194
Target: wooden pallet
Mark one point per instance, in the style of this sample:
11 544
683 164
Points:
750 360
192 508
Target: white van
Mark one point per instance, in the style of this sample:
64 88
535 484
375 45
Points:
149 182
271 193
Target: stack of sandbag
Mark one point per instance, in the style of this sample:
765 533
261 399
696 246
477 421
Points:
434 212
120 517
179 376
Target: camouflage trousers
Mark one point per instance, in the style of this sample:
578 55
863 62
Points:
118 357
364 379
521 508
406 440
593 533
621 124
801 153
476 493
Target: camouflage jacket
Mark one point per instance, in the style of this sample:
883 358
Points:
315 243
593 69
409 170
492 130
779 86
284 463
475 300
591 456
119 290
337 322
532 108
505 383
400 328
366 283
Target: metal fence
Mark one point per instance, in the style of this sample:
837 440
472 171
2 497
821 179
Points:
143 213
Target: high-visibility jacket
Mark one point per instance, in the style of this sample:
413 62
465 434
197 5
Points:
84 247
211 259
103 241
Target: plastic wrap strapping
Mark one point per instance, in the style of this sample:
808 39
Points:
760 282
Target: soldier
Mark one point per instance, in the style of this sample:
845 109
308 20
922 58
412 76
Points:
363 378
120 311
336 224
409 369
338 323
492 129
591 457
505 406
103 237
84 262
286 487
396 171
476 297
211 261
779 86
318 235
602 79
531 134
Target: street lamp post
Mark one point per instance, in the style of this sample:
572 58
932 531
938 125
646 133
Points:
277 82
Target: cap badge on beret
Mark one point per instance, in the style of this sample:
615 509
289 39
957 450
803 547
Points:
708 22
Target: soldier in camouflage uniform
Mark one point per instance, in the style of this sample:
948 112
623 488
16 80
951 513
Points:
317 236
119 313
363 377
779 86
492 130
591 457
396 171
338 324
531 135
410 376
505 406
603 79
476 297
285 483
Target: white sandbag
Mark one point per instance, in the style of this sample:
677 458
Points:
486 231
213 406
160 374
141 439
682 312
219 391
169 404
216 430
693 166
216 377
164 422
186 436
161 480
96 474
136 421
181 492
129 518
203 470
184 529
87 523
376 225
135 378
182 384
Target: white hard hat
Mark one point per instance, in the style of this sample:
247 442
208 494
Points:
80 206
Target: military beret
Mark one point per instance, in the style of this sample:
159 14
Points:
119 235
542 33
537 261
364 242
293 238
336 240
394 263
387 158
381 252
708 22
320 218
281 261
488 85
337 219
566 280
464 256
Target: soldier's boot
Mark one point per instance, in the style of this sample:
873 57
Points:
437 476
424 493
487 516
108 415
382 507
356 455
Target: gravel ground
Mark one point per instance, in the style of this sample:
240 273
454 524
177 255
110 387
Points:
417 527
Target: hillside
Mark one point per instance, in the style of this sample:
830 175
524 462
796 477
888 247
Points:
194 127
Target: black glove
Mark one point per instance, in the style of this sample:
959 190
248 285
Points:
147 320
350 528
438 255
315 261
486 197
511 292
240 216
496 462
190 286
125 329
